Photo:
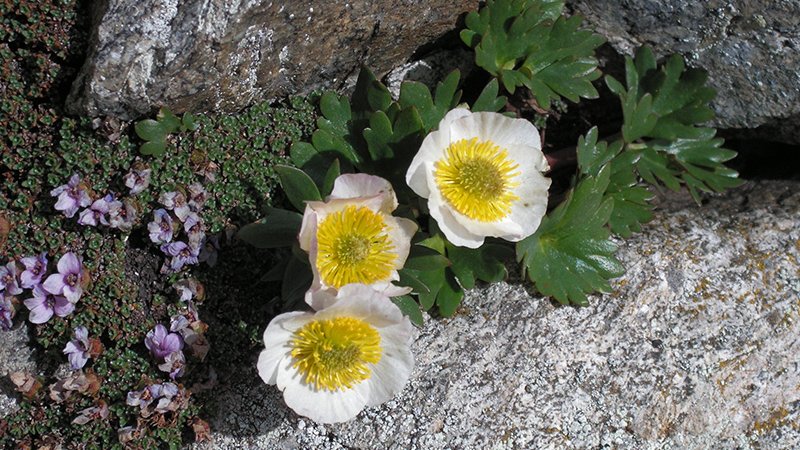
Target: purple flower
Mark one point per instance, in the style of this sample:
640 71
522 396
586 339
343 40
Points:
121 215
71 196
173 364
97 212
8 278
92 413
35 267
189 289
164 393
77 350
67 281
7 312
197 196
161 227
176 202
44 304
195 229
181 253
162 343
137 180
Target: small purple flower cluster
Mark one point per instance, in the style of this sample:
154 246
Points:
159 398
189 326
106 210
167 348
57 295
77 350
181 212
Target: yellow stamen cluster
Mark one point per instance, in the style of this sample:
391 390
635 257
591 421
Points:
476 178
335 354
353 246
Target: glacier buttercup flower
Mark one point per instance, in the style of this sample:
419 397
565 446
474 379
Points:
333 363
353 238
482 174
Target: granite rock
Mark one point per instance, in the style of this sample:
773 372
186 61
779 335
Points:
15 356
749 48
696 348
223 55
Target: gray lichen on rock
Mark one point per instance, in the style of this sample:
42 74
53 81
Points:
748 47
224 55
696 348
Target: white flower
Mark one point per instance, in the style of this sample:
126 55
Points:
332 363
353 238
482 175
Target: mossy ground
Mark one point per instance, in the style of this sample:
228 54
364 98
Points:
41 49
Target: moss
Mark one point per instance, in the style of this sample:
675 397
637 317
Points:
40 148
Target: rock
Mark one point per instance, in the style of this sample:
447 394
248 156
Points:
15 356
749 49
201 55
696 348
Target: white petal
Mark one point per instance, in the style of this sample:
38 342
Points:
445 217
319 297
528 212
391 373
361 301
431 150
308 228
355 185
504 131
400 232
324 406
276 338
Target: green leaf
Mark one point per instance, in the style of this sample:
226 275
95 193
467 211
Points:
570 255
664 107
370 95
409 279
154 148
593 155
330 178
413 94
450 294
423 258
170 121
639 117
150 130
298 186
296 281
433 280
409 308
188 122
447 95
301 153
278 228
486 263
488 99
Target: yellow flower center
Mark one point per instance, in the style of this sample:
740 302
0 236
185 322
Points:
335 354
476 179
353 246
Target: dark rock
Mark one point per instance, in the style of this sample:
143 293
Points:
201 55
748 47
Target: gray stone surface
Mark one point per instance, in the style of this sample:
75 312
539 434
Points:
696 348
15 355
749 47
223 55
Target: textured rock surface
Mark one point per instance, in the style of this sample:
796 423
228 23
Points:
15 355
696 348
749 48
225 54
